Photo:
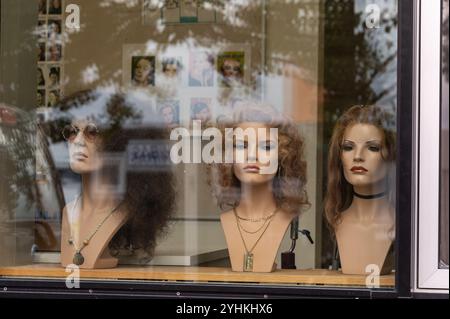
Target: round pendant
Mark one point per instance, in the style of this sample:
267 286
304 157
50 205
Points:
78 259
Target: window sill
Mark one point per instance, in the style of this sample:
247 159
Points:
199 274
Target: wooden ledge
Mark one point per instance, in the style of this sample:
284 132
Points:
203 274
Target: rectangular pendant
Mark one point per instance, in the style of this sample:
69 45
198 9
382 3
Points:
248 262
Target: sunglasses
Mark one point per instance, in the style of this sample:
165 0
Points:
229 68
90 132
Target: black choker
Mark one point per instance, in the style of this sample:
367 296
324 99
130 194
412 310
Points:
369 196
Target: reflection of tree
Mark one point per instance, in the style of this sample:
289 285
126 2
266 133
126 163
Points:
355 59
17 163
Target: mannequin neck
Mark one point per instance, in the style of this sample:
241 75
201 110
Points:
367 210
94 196
256 200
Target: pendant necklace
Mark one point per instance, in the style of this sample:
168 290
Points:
78 258
248 256
265 219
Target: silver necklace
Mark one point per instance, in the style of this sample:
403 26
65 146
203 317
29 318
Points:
78 258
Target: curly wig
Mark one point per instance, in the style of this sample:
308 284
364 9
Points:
339 195
289 183
149 195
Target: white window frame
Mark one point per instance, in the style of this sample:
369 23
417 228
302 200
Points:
427 275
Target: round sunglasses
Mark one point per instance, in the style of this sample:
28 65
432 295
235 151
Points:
90 132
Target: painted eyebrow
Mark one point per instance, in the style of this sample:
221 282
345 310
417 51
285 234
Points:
368 142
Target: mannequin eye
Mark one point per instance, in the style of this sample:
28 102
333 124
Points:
374 148
266 146
240 145
347 147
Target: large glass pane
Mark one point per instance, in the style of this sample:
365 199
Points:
200 140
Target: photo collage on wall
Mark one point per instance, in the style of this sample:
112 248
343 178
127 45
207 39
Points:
49 31
189 83
183 11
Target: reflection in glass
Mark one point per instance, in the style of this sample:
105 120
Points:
444 178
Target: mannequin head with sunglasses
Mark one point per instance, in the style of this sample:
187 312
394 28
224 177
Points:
97 131
84 143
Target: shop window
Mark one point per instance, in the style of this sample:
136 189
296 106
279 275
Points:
130 163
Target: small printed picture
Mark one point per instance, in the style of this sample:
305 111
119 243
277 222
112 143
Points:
171 4
40 98
143 71
169 111
54 29
41 31
55 7
201 69
201 109
53 98
230 66
54 52
171 67
40 77
42 6
53 76
41 52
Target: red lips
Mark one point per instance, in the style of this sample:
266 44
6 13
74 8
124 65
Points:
358 169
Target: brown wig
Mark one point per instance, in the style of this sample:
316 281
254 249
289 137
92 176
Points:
149 195
339 194
289 183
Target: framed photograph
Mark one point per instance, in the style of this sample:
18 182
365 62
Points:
41 31
182 11
41 52
53 77
40 76
232 68
54 30
138 66
40 98
171 67
201 109
42 7
53 97
169 112
54 52
55 7
201 69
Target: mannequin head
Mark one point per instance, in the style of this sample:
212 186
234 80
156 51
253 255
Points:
84 145
361 158
287 181
147 195
248 171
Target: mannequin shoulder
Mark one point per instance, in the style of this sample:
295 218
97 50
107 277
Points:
227 216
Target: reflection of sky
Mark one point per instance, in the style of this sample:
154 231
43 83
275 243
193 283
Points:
388 78
445 84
